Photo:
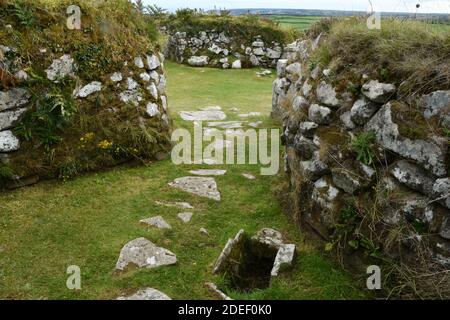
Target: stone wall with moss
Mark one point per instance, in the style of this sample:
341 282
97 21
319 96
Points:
224 41
367 164
73 101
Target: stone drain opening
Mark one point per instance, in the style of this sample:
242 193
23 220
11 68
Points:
250 263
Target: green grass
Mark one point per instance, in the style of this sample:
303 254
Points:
300 23
86 221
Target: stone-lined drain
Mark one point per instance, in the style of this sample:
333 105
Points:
250 263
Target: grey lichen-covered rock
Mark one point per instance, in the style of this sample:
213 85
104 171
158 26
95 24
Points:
14 98
325 194
346 180
203 115
144 254
300 103
208 172
306 89
327 95
214 289
198 61
8 142
441 191
304 147
153 90
281 68
429 154
274 53
8 119
413 176
152 109
201 186
362 111
346 120
157 222
308 129
284 259
185 216
230 248
378 92
269 237
148 294
435 103
319 114
236 64
116 77
294 71
88 89
153 62
180 205
61 68
138 62
313 169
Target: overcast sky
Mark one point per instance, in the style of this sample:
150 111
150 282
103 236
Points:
427 6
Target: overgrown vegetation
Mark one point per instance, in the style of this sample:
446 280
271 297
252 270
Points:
411 53
51 132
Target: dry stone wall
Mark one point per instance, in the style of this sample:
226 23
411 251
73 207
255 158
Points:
354 156
77 100
218 49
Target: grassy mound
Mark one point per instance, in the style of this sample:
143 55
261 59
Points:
62 136
411 54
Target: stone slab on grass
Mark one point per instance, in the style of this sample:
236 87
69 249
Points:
200 186
144 254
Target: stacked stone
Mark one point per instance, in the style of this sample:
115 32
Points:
320 123
140 82
214 49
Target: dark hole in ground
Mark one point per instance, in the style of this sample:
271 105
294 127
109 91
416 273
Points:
253 267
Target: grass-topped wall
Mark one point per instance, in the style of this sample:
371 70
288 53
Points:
222 40
75 100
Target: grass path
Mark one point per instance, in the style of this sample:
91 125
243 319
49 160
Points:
86 221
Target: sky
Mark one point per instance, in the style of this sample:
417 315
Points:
427 6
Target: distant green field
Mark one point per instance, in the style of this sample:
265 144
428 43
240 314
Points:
300 23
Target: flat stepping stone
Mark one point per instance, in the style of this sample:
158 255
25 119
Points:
211 108
185 216
146 294
255 124
200 186
157 222
249 115
203 115
249 176
144 254
181 205
205 172
226 124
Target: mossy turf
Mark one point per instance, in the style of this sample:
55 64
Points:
86 221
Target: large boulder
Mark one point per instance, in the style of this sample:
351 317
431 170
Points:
429 154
